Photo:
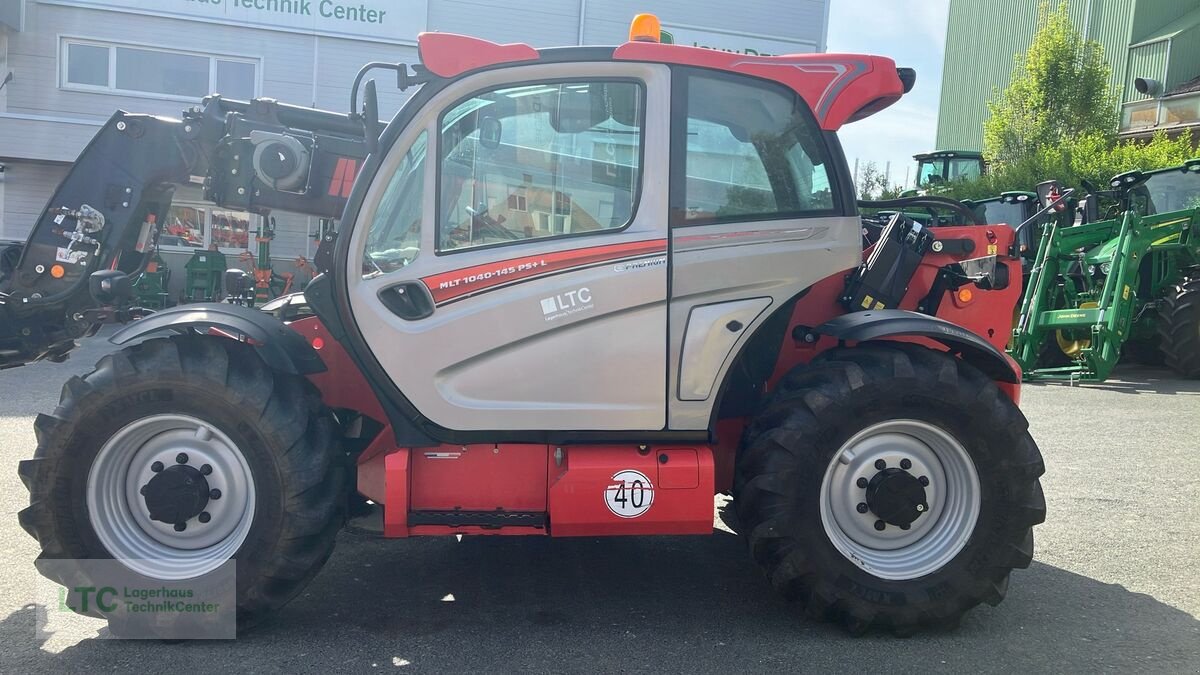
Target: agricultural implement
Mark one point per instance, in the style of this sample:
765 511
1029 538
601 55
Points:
547 310
1125 284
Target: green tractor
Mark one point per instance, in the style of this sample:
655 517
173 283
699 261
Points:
944 166
1125 283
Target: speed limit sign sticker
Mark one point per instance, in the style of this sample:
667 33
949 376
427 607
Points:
629 494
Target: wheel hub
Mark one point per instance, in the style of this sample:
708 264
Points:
176 494
897 497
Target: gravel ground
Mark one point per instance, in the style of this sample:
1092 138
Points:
1115 584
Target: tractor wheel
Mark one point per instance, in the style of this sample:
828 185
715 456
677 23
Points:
1179 328
258 444
889 485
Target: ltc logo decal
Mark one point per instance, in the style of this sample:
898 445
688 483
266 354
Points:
566 304
629 494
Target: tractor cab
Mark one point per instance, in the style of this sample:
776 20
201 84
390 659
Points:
944 166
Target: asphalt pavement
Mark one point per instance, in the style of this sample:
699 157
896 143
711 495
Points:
1115 584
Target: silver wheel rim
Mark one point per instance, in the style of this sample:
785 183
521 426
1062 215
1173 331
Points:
937 535
119 515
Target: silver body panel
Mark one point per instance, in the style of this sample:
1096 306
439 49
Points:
592 348
734 261
496 360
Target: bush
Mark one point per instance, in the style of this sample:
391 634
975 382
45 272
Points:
1091 157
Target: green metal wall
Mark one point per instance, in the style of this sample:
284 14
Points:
1146 60
983 38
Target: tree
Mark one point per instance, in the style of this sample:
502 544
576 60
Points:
1059 92
871 183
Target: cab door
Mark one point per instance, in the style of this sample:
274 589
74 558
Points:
510 255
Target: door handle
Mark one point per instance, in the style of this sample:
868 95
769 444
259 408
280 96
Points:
409 300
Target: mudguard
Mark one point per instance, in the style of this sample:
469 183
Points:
280 347
886 323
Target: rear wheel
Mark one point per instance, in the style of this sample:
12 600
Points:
889 485
177 455
1179 328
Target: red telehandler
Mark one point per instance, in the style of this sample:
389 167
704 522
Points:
574 292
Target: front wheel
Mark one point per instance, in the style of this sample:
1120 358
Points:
177 455
889 485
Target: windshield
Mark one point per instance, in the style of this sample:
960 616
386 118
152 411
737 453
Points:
1171 191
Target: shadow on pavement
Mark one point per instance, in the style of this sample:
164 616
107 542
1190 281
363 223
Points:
677 603
1134 379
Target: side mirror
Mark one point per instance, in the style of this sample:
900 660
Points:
110 287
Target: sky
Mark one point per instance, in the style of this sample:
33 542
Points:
913 33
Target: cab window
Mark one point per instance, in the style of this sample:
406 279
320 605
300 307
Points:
537 161
394 239
752 151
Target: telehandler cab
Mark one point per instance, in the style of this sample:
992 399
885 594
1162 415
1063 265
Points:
574 292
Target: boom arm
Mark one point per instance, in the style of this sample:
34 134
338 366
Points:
256 156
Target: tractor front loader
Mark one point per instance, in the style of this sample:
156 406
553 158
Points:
573 292
1101 288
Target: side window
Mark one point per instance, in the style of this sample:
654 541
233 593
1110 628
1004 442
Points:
539 160
394 239
753 151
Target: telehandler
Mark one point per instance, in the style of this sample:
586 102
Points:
574 292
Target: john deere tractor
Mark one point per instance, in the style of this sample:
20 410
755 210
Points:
1128 282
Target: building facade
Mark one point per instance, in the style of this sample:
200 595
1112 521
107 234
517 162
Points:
1156 41
75 62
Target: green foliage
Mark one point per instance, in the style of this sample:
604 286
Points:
1091 157
1058 92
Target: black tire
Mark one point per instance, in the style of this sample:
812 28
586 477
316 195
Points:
786 450
277 422
1179 328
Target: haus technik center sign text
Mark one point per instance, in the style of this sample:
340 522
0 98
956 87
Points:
391 20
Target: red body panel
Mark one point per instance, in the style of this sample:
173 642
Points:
987 314
507 477
342 384
838 87
450 55
677 499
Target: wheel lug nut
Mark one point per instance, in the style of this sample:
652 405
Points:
921 508
142 490
205 469
180 527
862 483
905 527
204 517
905 464
214 494
880 525
156 467
862 507
924 480
181 458
880 464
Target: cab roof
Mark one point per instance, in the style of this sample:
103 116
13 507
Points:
839 88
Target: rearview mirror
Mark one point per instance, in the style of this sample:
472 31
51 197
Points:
576 111
489 132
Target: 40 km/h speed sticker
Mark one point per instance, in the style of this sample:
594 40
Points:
629 494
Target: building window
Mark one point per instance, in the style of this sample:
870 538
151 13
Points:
121 69
197 226
539 160
1140 115
770 163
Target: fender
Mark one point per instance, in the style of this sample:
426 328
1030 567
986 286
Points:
886 323
280 347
